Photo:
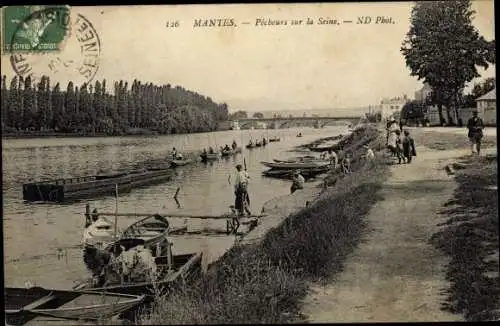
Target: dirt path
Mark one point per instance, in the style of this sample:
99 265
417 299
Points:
395 274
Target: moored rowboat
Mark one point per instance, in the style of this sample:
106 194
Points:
79 305
180 162
297 165
173 270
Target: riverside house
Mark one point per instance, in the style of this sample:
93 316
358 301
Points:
487 107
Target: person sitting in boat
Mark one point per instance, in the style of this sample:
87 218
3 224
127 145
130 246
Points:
297 181
227 148
250 143
234 145
264 141
179 156
211 150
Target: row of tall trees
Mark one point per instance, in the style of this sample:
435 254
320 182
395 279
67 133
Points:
444 49
90 108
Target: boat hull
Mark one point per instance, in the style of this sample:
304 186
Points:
296 165
176 163
64 190
21 303
187 268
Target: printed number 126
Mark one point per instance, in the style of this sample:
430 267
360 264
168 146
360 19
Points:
173 23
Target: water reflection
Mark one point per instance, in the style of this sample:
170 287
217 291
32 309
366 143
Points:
34 233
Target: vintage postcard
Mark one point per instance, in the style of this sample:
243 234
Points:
249 163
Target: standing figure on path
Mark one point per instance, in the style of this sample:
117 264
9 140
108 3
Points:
297 181
475 126
408 147
399 147
391 138
242 200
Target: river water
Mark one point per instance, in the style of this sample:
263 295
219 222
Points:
42 242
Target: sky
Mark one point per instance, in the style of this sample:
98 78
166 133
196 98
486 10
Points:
255 68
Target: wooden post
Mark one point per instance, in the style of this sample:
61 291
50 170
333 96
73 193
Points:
169 255
116 210
87 215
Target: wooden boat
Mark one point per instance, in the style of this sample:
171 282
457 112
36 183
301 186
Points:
75 305
180 162
258 144
296 165
298 159
61 190
150 231
205 157
251 145
287 174
275 139
230 152
175 269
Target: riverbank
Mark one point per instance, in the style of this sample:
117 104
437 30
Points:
264 280
397 274
27 134
469 237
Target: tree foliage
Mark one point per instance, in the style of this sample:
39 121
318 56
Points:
238 115
478 90
444 49
258 115
90 108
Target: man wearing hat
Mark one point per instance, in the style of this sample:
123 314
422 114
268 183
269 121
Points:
475 126
241 191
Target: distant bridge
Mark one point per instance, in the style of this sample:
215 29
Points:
289 122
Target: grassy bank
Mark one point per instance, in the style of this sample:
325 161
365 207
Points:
470 238
265 282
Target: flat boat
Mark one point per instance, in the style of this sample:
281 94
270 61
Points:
26 303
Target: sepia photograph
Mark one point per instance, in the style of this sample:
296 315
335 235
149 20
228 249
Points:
245 163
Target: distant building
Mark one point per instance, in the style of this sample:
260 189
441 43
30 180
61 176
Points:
487 107
392 106
422 94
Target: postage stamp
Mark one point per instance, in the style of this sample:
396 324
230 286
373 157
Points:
34 28
51 41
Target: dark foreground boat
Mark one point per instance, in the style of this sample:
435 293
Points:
174 270
275 139
61 190
22 305
287 174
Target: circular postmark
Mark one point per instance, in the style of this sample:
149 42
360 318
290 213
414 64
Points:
54 42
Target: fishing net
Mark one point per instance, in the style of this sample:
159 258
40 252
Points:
134 265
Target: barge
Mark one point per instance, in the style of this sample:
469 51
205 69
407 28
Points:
61 190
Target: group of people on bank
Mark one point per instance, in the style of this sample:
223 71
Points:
402 144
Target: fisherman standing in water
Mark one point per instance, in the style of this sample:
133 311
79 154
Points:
242 200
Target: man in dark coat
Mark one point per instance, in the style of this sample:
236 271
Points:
475 126
408 147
